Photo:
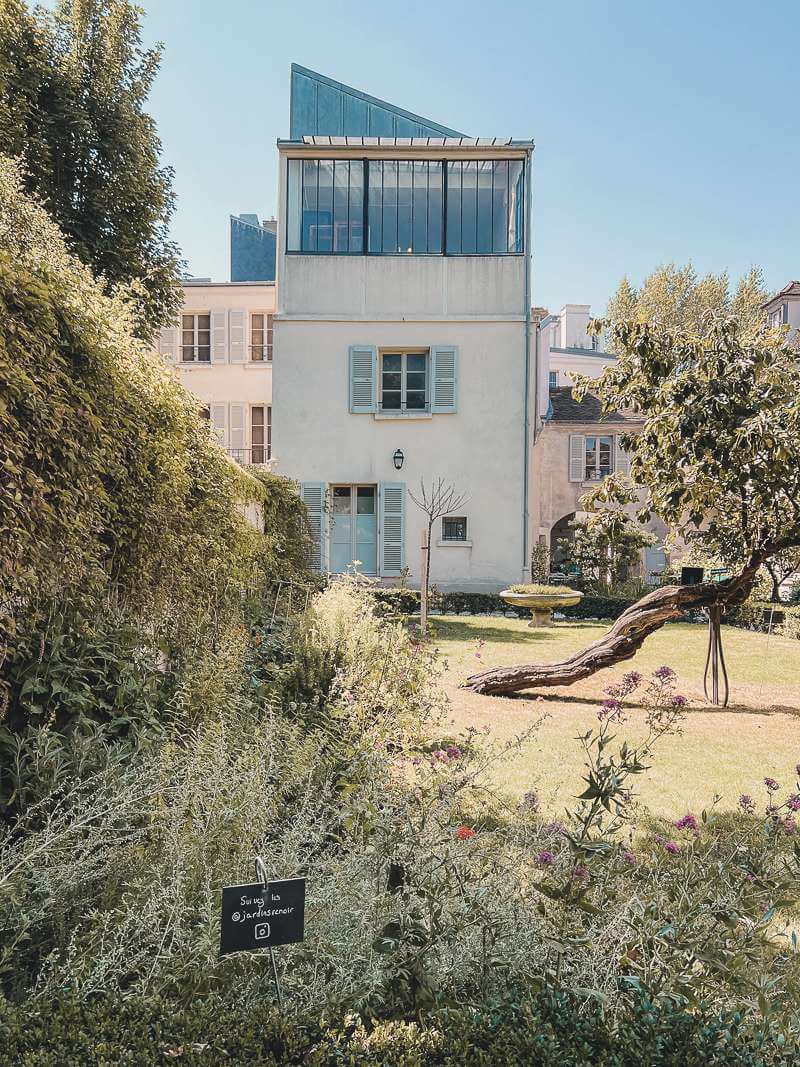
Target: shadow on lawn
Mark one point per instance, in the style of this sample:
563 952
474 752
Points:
693 709
456 630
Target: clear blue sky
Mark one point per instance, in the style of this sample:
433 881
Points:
663 131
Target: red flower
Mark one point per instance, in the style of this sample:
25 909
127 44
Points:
464 833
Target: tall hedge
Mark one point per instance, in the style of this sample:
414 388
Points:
112 486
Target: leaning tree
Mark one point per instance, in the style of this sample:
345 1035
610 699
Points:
718 459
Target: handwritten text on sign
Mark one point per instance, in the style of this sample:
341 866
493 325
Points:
259 915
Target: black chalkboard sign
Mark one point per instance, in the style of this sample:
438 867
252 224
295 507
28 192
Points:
261 915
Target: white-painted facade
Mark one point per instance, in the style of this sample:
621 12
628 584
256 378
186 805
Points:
221 350
783 309
460 321
566 348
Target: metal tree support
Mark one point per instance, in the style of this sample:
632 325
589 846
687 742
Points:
715 658
261 876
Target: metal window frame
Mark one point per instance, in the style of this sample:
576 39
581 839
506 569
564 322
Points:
455 518
365 250
195 333
403 352
598 470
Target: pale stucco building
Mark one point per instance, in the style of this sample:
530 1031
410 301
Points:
221 349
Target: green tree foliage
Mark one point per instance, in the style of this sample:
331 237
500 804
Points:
675 297
73 86
605 544
718 457
113 488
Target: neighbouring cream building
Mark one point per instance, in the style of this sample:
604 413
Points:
222 351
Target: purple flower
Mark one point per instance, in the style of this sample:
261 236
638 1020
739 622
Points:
771 784
632 678
793 803
671 847
454 752
545 858
789 825
680 701
530 801
746 804
610 709
688 822
664 674
629 857
555 827
579 874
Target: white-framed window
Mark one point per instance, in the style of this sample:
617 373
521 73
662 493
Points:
260 433
553 379
779 317
599 456
404 378
261 337
454 528
196 337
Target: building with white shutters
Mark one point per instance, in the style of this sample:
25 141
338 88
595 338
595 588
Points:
404 350
221 349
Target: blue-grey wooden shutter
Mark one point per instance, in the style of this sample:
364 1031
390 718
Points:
219 336
168 343
313 496
444 379
577 457
363 379
237 335
622 461
391 542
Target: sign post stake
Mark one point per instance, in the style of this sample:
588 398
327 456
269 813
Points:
261 876
423 587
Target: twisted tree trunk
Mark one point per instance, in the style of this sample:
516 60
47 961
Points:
624 638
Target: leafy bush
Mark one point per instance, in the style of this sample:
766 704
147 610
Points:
546 1030
406 602
765 617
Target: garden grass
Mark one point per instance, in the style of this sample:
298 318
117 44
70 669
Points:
723 752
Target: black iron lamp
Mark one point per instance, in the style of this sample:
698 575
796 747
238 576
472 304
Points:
398 458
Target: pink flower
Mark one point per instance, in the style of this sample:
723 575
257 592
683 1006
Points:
545 858
793 803
664 674
746 804
453 752
629 857
579 874
610 709
771 784
688 822
789 825
464 833
669 846
348 696
680 701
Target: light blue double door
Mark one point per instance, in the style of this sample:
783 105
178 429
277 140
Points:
354 529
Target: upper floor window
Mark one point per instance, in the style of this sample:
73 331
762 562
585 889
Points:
599 452
409 207
196 338
260 337
779 317
260 433
404 381
553 378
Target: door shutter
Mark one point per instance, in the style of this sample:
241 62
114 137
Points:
444 372
622 461
168 344
219 337
313 496
219 420
577 457
236 431
237 336
363 379
391 539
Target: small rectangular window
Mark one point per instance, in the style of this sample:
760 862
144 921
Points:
454 529
553 379
196 337
404 381
260 337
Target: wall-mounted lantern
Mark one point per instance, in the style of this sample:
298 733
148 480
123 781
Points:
398 458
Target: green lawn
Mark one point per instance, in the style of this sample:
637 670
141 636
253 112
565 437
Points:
721 751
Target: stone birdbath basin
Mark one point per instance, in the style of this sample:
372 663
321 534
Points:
542 600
